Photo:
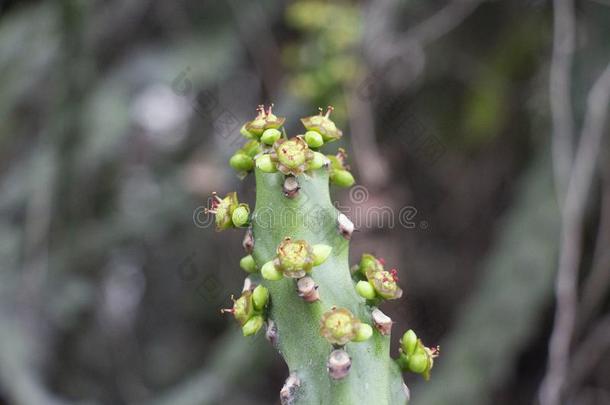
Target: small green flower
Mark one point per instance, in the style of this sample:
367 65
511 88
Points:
227 210
263 120
369 264
294 258
242 307
323 125
292 156
339 170
385 283
339 326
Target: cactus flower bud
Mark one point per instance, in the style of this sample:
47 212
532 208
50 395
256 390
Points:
314 139
241 215
292 155
339 364
339 326
265 164
248 264
253 325
418 363
269 272
270 136
318 161
365 290
320 253
295 258
260 297
263 120
323 125
342 178
241 162
364 332
408 342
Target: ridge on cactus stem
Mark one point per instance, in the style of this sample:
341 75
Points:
300 286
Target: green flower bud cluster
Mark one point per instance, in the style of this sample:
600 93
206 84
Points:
249 309
229 212
339 326
339 170
416 357
321 129
374 282
295 259
264 127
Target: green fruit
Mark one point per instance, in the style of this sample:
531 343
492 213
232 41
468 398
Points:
342 178
265 164
270 136
240 215
314 139
241 162
247 263
365 290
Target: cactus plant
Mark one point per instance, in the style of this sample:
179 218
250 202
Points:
322 316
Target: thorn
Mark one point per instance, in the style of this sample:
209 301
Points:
339 364
382 322
271 332
288 391
248 242
346 227
291 187
307 289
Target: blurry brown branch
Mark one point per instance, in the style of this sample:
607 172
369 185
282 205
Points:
560 94
573 213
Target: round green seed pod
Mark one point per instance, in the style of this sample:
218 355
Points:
253 325
318 161
314 139
265 164
269 272
241 215
364 332
241 162
408 342
247 264
365 290
342 178
270 136
260 297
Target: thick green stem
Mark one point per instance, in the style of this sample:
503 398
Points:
374 377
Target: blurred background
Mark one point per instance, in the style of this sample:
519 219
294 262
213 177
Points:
483 121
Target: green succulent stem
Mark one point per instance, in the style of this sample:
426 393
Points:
374 378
